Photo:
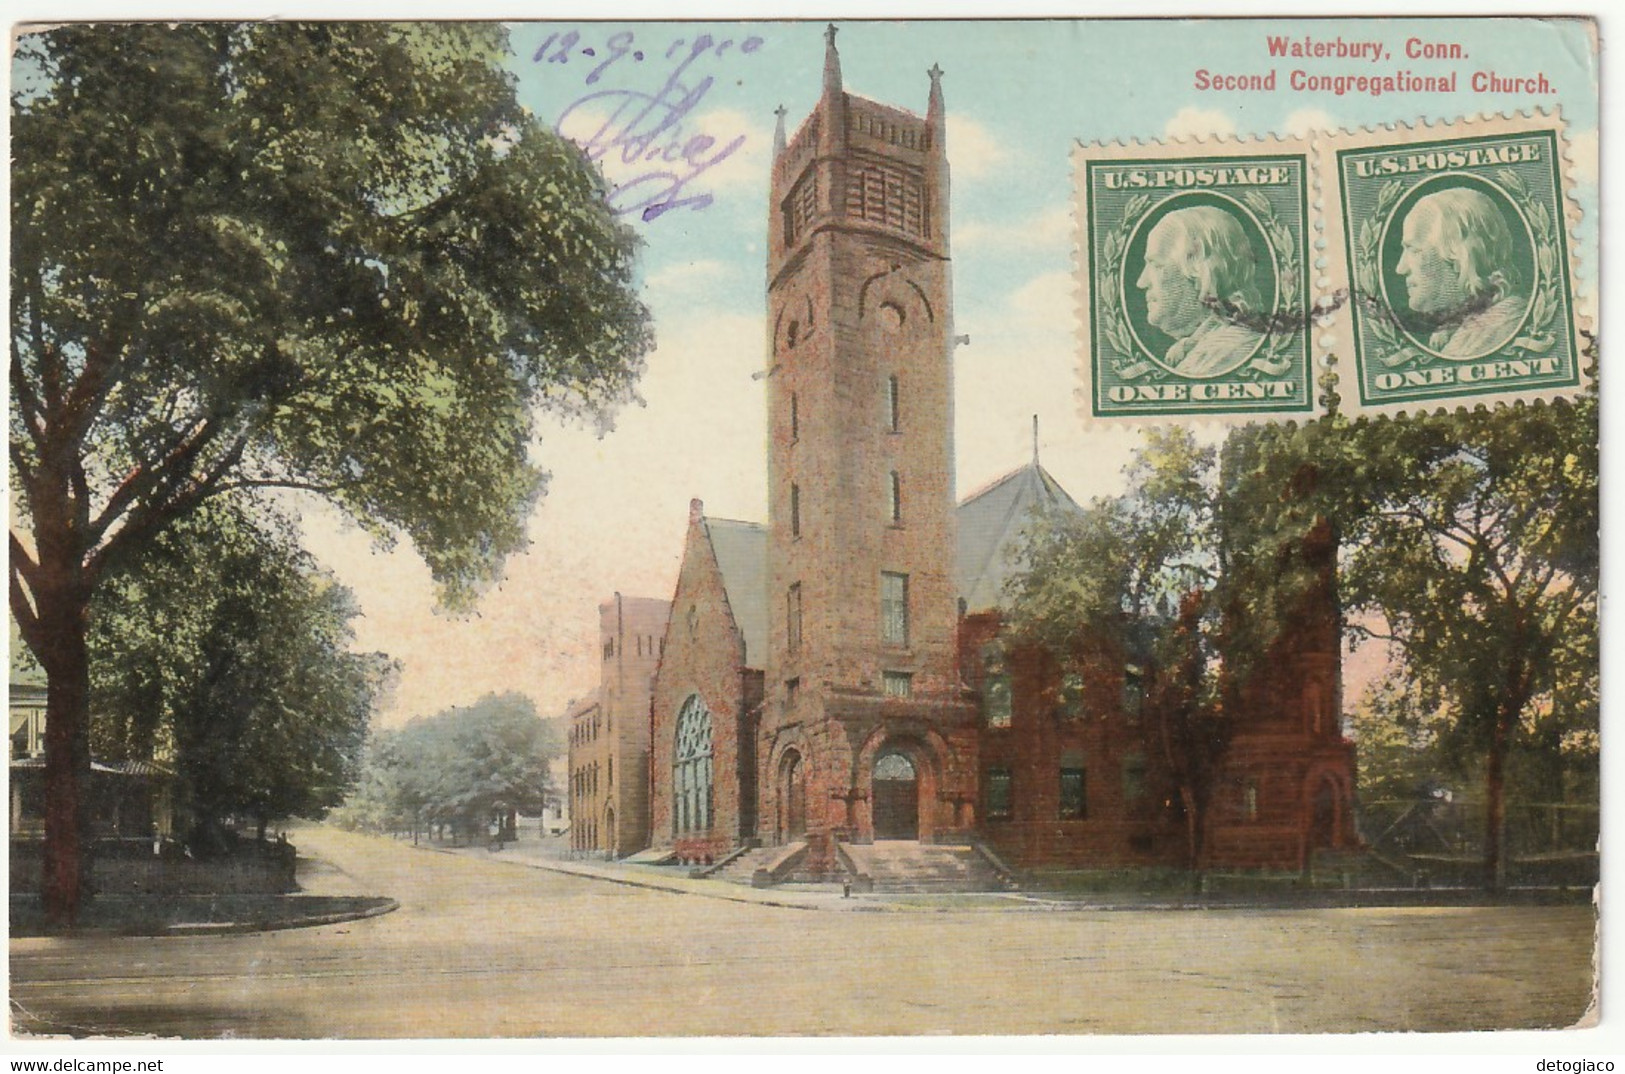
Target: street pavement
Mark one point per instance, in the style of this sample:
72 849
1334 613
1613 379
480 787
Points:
494 947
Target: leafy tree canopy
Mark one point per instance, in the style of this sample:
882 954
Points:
337 257
460 766
225 652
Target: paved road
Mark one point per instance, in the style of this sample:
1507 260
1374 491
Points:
489 948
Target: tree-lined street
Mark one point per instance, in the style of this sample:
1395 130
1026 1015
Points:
487 948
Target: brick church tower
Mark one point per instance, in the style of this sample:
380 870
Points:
865 731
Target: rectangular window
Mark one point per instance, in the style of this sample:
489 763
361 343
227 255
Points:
792 687
1133 778
893 405
897 683
1071 696
996 706
795 510
795 418
1249 800
1074 804
896 498
792 617
1133 692
998 794
894 608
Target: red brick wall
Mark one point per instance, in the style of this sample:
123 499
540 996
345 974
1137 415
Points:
1092 733
630 634
704 656
1288 744
853 302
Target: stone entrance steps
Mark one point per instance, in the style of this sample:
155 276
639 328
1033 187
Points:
759 866
899 866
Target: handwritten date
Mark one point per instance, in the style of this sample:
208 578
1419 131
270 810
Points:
640 123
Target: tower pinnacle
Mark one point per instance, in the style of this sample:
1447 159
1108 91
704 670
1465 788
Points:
832 62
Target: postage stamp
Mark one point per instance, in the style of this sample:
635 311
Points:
1194 274
1457 254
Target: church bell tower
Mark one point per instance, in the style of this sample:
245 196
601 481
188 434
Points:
866 731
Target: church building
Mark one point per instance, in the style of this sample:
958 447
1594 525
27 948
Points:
839 676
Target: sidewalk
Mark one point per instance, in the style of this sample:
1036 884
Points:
675 879
532 854
324 898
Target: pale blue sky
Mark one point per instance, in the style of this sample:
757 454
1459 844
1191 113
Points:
1018 95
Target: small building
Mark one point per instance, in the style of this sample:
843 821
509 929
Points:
608 755
127 799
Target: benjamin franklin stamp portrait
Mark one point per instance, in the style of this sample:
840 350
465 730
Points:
1458 265
1194 272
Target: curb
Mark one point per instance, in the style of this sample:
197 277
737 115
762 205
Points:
226 928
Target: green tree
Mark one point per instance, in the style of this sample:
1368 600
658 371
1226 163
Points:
460 767
1134 573
336 257
225 644
1467 540
1483 565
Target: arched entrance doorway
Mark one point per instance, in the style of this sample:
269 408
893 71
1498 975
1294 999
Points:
1325 814
609 833
792 797
896 797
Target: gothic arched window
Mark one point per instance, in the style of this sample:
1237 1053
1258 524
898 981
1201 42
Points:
691 769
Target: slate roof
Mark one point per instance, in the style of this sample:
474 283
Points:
741 551
991 522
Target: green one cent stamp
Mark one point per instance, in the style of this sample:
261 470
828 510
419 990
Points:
1194 278
1458 256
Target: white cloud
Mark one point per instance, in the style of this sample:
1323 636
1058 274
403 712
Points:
1199 123
1310 121
1048 229
1049 298
685 278
974 151
747 166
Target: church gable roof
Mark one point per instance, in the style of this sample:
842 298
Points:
991 523
741 552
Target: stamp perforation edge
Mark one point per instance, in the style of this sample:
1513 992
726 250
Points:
1238 150
1356 399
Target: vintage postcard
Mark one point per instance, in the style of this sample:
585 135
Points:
550 531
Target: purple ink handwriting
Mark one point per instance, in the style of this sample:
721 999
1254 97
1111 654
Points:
640 123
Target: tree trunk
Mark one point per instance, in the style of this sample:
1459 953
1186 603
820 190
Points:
1495 800
1513 699
66 864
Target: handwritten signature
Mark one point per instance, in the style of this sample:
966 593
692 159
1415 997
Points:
652 133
